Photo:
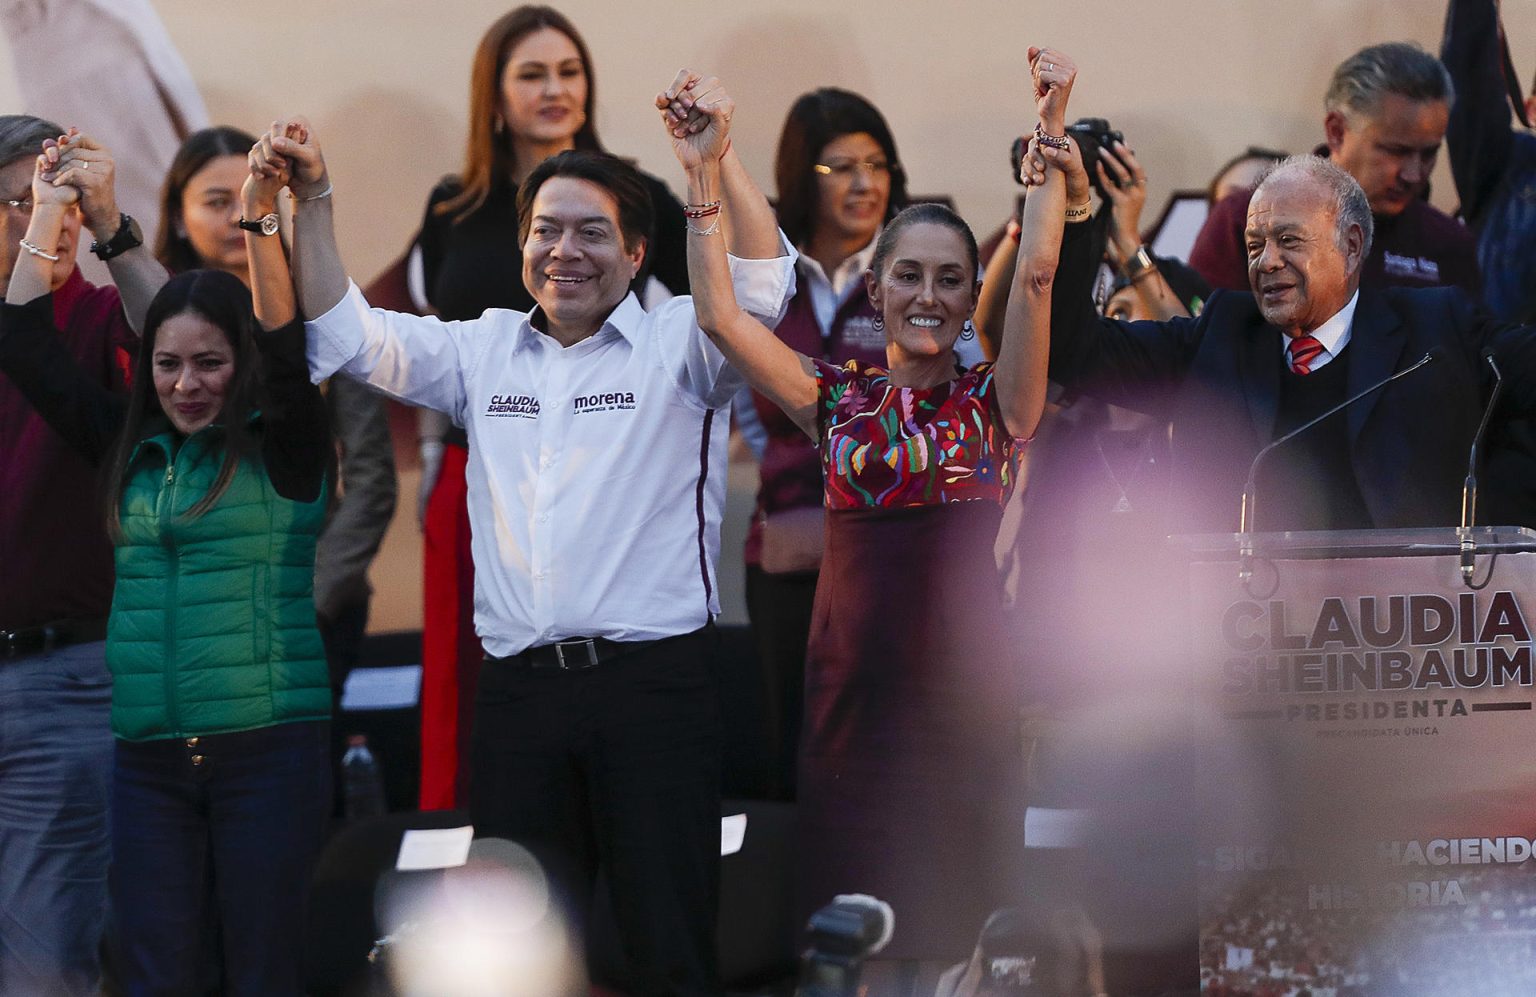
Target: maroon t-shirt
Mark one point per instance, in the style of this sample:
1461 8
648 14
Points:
55 559
1420 247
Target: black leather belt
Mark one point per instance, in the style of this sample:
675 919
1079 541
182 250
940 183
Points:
30 640
574 655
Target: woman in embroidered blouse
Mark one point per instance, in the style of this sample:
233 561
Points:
909 746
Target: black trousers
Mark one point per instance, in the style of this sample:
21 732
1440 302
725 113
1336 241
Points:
780 608
618 765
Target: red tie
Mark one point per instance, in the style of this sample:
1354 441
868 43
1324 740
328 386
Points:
1303 350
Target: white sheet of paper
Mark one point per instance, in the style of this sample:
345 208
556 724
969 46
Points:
434 848
733 832
1055 827
394 688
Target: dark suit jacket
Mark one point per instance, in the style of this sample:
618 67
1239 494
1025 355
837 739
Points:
1217 379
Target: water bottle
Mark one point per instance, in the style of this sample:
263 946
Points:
363 782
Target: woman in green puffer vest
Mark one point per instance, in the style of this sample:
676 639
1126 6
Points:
216 478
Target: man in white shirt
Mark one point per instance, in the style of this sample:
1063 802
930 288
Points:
597 436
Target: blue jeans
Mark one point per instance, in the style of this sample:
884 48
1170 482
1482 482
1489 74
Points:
247 809
55 754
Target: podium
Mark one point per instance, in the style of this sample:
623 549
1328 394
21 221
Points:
1366 765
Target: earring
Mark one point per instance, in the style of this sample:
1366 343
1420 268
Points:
499 125
968 331
879 322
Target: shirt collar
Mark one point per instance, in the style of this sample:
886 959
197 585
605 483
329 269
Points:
626 319
846 273
1334 333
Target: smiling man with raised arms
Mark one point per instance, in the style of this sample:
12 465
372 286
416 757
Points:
596 479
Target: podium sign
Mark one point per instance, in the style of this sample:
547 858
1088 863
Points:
1382 711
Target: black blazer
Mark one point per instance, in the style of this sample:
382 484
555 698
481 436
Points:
1217 379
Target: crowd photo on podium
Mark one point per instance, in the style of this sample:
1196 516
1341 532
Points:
782 498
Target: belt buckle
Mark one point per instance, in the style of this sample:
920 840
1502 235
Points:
574 664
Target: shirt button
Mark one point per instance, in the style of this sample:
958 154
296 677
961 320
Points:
191 742
197 759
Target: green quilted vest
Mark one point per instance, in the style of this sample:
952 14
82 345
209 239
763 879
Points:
213 619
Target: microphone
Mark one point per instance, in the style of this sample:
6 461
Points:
1250 496
1469 487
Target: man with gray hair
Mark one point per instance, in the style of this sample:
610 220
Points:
55 589
1305 336
1386 111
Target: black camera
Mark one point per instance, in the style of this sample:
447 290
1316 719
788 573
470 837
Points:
842 935
1092 136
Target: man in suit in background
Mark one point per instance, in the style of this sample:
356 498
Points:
1256 365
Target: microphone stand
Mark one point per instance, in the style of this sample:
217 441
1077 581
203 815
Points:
1469 487
1248 512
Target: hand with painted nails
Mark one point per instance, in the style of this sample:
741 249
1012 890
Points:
47 188
78 161
270 171
696 111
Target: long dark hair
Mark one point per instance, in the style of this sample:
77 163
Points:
488 152
224 300
816 119
172 248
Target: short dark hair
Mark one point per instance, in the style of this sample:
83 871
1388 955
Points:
926 213
172 247
23 135
814 120
224 300
637 216
1400 68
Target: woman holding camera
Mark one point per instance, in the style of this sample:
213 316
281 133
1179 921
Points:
910 753
216 490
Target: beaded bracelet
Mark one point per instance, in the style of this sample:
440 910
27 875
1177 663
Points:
1051 141
38 252
701 210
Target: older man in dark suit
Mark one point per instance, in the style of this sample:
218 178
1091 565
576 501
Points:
1256 365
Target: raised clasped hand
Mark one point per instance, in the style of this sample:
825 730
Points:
1053 72
290 146
76 161
696 111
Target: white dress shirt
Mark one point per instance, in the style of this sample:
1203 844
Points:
597 472
1332 334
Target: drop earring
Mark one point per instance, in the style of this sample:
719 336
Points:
879 322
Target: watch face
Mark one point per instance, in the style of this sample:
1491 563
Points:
269 224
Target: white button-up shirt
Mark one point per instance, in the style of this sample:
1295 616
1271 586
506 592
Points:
596 473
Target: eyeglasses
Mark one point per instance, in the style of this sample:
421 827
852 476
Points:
844 169
24 205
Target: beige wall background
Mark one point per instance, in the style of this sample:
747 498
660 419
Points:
384 82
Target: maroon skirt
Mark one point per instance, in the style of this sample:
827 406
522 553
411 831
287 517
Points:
910 764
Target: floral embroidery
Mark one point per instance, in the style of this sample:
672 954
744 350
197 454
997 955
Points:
893 447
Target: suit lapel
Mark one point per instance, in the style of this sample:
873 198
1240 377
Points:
1259 366
1375 348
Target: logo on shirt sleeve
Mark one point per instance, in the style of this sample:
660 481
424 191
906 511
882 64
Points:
512 407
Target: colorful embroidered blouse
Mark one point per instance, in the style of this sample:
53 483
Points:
889 447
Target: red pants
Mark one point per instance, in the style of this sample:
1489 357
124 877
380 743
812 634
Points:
450 651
